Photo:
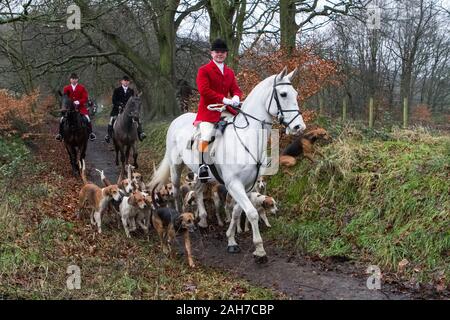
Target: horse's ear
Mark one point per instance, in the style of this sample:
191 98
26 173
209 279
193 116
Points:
291 75
137 93
282 74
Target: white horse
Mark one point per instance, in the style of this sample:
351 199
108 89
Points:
274 96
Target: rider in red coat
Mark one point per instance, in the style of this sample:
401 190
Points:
215 86
79 96
215 82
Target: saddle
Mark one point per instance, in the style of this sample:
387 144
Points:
221 126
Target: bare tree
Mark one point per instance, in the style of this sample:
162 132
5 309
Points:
307 10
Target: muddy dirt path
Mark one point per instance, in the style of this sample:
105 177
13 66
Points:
295 276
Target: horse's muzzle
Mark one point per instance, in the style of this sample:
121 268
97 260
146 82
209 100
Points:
299 129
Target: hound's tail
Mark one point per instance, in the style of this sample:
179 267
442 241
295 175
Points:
104 179
161 176
82 166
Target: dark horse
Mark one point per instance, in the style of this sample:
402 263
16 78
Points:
75 133
125 132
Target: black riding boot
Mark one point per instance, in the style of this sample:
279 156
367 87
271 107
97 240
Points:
110 133
203 171
141 134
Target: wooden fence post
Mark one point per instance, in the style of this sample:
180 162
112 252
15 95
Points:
405 113
344 109
371 113
321 106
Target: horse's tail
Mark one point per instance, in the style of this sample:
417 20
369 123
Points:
161 176
82 166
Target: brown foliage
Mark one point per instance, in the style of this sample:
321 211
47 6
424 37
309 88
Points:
27 109
421 113
314 72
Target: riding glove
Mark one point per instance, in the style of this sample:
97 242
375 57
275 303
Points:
227 101
236 101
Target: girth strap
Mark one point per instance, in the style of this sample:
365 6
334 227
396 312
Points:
215 173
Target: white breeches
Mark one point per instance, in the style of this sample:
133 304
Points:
206 130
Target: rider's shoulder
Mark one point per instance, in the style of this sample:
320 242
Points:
207 66
227 69
119 89
81 86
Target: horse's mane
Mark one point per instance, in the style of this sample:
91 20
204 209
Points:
130 101
256 90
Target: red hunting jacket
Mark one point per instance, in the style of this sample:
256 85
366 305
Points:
79 94
213 87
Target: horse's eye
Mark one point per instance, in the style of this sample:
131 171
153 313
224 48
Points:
283 94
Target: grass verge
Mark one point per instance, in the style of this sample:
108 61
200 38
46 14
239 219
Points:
39 240
378 196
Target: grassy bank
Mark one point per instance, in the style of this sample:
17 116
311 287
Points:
378 197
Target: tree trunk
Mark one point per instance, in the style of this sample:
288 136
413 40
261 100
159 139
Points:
223 26
163 99
288 26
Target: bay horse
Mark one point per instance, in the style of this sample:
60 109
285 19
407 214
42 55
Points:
272 97
75 133
125 132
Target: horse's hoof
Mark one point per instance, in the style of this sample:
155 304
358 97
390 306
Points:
260 260
233 249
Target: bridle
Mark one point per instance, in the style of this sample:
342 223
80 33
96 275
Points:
132 114
280 115
280 111
69 112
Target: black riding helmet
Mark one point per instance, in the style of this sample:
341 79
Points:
219 45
